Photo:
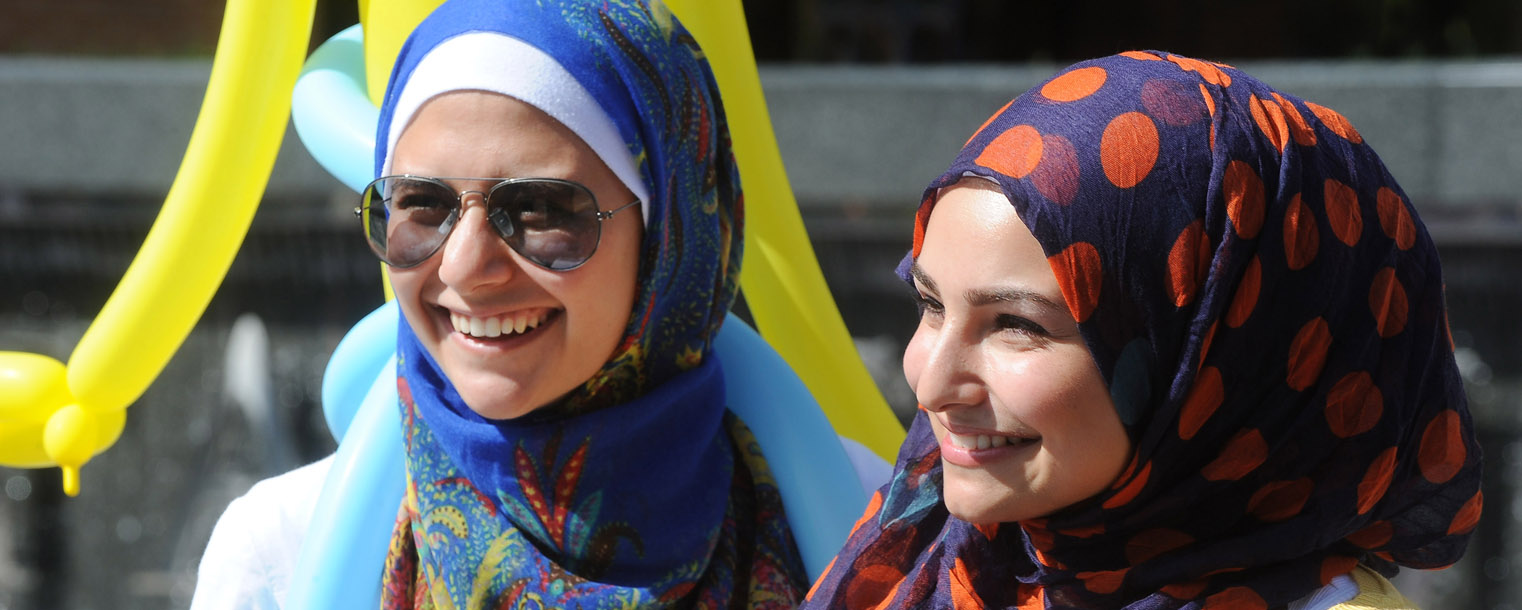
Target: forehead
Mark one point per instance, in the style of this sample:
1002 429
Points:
477 133
974 234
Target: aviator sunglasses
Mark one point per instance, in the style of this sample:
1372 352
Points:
554 223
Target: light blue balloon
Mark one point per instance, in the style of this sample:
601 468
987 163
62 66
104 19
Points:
333 116
352 370
820 490
344 551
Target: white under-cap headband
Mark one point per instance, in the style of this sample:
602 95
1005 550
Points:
495 62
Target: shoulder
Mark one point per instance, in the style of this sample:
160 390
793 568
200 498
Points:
254 546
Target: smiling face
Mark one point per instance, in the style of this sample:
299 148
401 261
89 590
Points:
513 336
1022 414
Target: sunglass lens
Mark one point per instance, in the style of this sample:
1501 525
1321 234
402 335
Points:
553 223
406 220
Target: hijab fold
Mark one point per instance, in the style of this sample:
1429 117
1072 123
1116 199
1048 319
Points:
638 489
1267 311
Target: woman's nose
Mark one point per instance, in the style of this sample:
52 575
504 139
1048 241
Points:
474 254
946 371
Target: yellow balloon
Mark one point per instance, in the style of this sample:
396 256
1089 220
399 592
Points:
387 24
187 252
783 285
21 444
31 388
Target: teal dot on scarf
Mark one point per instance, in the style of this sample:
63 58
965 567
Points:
1131 382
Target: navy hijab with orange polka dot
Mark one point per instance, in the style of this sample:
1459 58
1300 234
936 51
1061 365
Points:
1267 310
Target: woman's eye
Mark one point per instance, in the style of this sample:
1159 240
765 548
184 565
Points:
927 305
1020 325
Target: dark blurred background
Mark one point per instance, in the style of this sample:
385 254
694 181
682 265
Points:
869 98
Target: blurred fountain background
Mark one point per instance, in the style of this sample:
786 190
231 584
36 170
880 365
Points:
870 99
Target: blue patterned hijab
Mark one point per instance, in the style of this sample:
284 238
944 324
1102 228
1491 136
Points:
1267 310
638 489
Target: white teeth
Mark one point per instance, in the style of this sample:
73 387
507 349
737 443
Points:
983 441
498 326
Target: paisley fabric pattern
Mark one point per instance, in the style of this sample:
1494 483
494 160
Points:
1267 310
638 489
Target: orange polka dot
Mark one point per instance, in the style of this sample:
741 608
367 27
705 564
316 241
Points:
1205 345
1185 590
815 587
1443 453
1236 598
1103 583
1243 453
987 122
1373 536
1301 237
1125 475
1203 400
1209 104
922 220
872 505
1395 219
1354 405
1172 102
1014 153
1246 297
1075 84
1307 353
1342 212
1188 262
1280 500
989 530
1335 122
1130 491
1376 480
1078 274
1336 565
1030 597
1387 301
1056 177
1128 149
1270 120
963 596
872 585
1244 198
1206 70
1468 515
1151 543
1040 537
1298 128
1142 55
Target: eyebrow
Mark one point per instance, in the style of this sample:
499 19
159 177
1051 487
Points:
979 297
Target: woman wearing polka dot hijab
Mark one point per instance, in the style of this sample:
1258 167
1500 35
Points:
1182 345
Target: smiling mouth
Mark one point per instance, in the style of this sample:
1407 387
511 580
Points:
974 442
516 324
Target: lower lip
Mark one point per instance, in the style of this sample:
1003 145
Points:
975 458
504 342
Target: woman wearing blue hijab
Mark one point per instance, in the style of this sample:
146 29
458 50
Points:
560 214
